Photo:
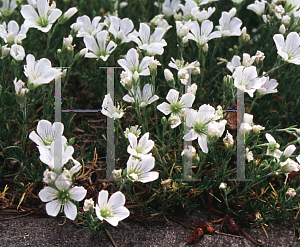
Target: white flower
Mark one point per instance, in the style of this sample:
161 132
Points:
139 170
42 20
20 91
266 18
39 72
237 1
223 186
246 80
269 86
126 79
258 7
229 26
162 23
257 128
183 29
62 196
247 60
279 11
190 152
99 49
291 192
88 27
203 36
17 52
88 204
174 121
112 210
168 75
117 174
198 121
183 75
202 15
249 155
48 156
8 7
235 62
176 107
5 51
13 35
192 89
108 108
289 50
134 130
144 39
259 56
187 8
289 166
273 146
47 133
292 4
215 129
141 148
144 99
131 63
170 7
49 176
228 140
120 29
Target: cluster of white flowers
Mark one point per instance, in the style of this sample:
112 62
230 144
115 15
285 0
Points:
55 153
245 75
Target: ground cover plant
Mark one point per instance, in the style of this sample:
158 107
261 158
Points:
180 68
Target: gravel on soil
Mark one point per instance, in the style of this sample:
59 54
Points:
33 231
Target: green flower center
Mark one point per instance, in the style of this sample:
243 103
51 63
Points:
106 212
48 141
176 108
63 196
200 128
42 22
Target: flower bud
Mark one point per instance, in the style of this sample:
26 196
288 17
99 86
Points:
178 16
185 40
282 29
117 173
88 205
136 76
166 183
257 128
49 176
205 48
286 20
228 141
76 26
291 192
219 111
70 12
223 186
164 121
289 150
5 51
232 12
153 66
168 75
